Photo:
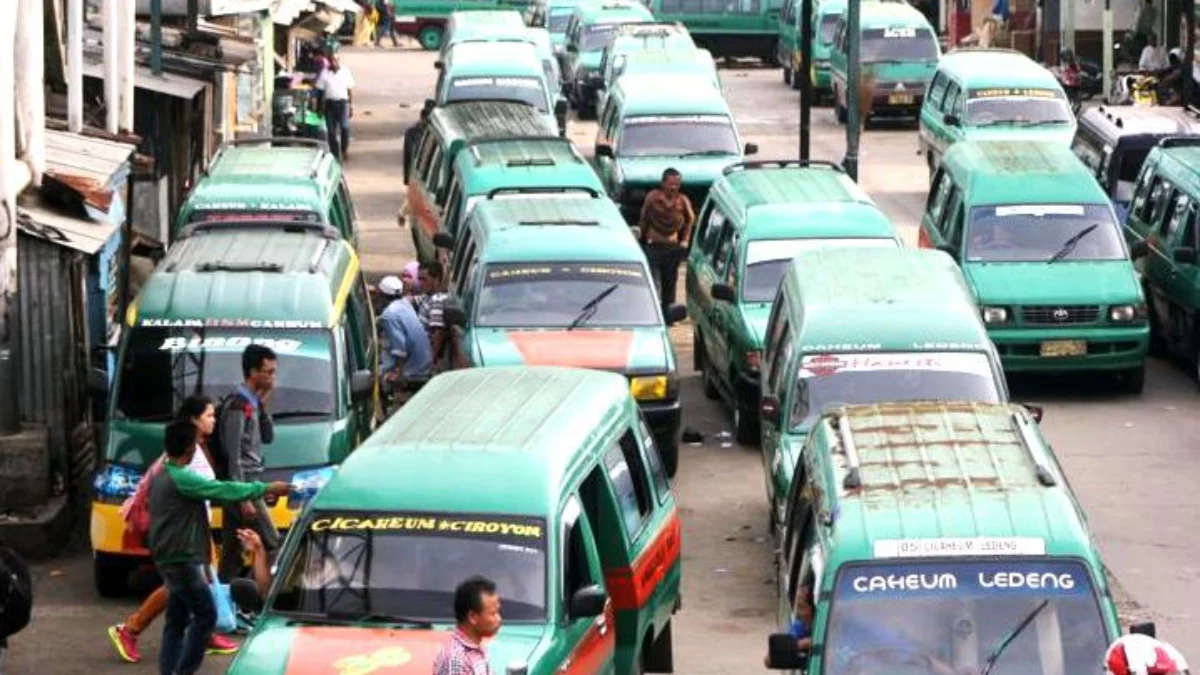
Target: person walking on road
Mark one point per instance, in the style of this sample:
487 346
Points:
181 546
200 411
243 426
387 23
477 617
666 225
337 84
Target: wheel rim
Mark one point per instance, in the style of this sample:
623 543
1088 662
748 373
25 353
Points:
431 38
737 419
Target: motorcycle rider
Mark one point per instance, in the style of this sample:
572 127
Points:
1143 655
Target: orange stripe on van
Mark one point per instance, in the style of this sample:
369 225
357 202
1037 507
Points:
600 349
923 240
631 587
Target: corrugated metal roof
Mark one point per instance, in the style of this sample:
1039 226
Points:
41 220
170 84
90 166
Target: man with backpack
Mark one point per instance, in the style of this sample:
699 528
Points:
16 597
243 426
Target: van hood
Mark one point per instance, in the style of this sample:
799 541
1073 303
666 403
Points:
1062 133
619 350
756 315
697 171
279 648
138 444
1100 282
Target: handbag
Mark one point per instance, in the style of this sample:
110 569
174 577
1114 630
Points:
136 509
223 601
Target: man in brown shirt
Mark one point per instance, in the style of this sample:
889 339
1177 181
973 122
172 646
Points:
666 224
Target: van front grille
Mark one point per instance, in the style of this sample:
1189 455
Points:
1060 315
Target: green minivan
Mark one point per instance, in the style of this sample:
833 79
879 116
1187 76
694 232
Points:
518 168
562 281
552 15
992 95
898 50
476 25
1043 253
866 325
937 537
577 527
449 130
592 27
516 70
646 128
271 179
633 38
732 29
663 62
758 216
1162 221
296 288
825 16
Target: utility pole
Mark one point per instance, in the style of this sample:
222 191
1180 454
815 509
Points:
1189 50
156 47
1107 42
853 81
806 89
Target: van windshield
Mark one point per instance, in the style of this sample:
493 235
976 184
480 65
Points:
598 36
677 135
555 295
354 565
767 260
828 28
1042 232
949 616
269 214
163 365
527 90
1017 106
898 44
557 22
828 380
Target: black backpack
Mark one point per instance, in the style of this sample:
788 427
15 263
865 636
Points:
16 593
218 453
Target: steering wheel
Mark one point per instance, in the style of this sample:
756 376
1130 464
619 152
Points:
893 655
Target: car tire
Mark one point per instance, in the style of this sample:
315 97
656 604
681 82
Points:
839 111
430 37
111 576
658 657
697 352
1133 381
1158 344
711 392
668 452
745 424
787 76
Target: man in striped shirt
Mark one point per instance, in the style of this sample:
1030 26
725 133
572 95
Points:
477 613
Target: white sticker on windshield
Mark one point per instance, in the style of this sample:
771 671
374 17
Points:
233 343
1040 210
824 365
959 546
899 32
527 83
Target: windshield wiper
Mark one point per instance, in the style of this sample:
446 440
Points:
381 617
705 153
299 413
589 310
1069 245
1040 123
1008 639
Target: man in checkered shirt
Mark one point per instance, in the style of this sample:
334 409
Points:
477 613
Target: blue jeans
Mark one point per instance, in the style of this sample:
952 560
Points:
337 122
191 616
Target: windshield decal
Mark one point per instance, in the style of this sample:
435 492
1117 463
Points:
959 546
1028 578
824 365
558 272
899 32
256 206
253 213
526 82
229 323
232 343
521 528
1040 210
678 119
1012 92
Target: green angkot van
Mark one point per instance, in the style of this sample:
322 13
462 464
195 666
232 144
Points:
517 168
758 216
899 52
514 70
1041 248
562 281
579 531
740 28
825 17
938 537
666 63
646 128
866 325
475 25
592 27
296 289
632 38
992 95
553 15
272 179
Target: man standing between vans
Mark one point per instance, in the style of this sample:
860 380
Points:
666 225
477 617
242 428
337 84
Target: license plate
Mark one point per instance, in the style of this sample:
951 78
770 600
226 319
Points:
900 99
1058 348
405 19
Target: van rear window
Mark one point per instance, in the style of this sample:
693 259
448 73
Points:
229 215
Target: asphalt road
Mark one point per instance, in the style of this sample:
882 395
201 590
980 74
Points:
1132 460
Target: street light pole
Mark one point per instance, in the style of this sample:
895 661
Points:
1107 41
1189 51
806 89
853 81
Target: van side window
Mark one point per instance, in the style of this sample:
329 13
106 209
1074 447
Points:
800 518
425 155
949 211
1150 201
1088 151
658 474
725 245
577 569
937 90
465 244
800 404
1174 218
950 103
777 320
944 187
628 480
783 352
1162 199
710 229
935 187
466 285
1188 238
364 325
454 203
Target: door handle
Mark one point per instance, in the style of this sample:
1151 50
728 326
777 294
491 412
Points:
602 624
566 665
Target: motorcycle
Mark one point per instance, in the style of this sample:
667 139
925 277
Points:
294 112
1139 89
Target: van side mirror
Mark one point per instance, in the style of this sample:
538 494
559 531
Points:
454 315
724 293
245 595
439 64
675 314
443 240
1143 628
430 103
362 384
768 409
560 109
784 654
1185 254
1139 249
604 150
951 119
1035 411
97 383
750 149
587 602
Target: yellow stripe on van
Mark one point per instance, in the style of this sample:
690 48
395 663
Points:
343 292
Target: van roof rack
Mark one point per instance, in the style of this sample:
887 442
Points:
473 146
1044 475
225 266
327 231
783 163
542 191
282 141
853 479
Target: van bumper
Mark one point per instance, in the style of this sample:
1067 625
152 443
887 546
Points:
663 418
1109 348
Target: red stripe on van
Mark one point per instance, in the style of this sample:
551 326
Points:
631 587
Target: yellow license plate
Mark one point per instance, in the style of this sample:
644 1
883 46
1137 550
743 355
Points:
900 99
1057 348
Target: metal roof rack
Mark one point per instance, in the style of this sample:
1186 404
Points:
542 191
853 479
474 144
783 163
282 141
1044 475
224 266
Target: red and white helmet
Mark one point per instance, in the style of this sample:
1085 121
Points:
1143 655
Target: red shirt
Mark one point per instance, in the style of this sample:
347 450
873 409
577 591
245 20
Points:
461 656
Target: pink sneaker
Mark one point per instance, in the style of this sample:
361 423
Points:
219 644
125 642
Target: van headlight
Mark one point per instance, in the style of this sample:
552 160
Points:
650 387
306 484
995 314
1126 313
115 483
